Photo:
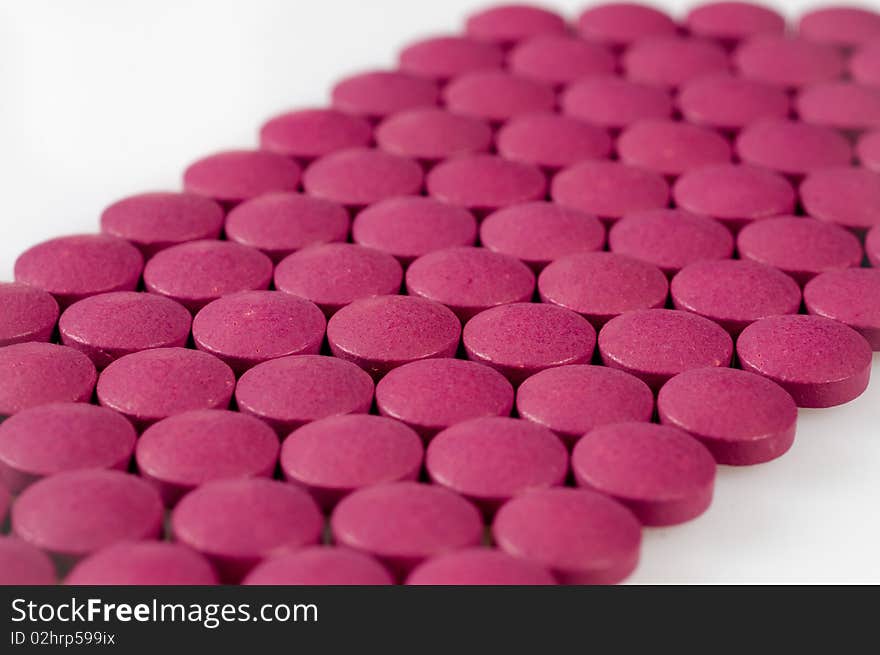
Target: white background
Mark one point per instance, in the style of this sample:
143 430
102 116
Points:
103 98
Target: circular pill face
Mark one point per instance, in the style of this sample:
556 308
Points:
433 134
848 196
872 246
727 102
671 61
581 536
614 102
74 267
786 61
671 147
560 59
507 24
731 22
497 96
26 313
143 563
443 57
235 175
23 564
110 325
376 94
311 133
320 565
864 64
868 151
850 296
621 23
820 362
840 26
37 373
841 105
552 141
792 148
479 566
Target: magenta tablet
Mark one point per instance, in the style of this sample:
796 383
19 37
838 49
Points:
198 272
732 22
614 102
507 24
334 274
384 332
184 451
728 103
411 226
73 514
670 61
851 297
820 362
26 313
244 329
404 523
551 141
847 196
523 338
671 147
291 391
560 59
237 523
376 94
107 326
602 285
280 223
791 147
23 564
333 456
143 563
655 344
573 400
433 134
497 95
840 26
307 134
37 373
432 394
443 57
741 417
319 565
60 437
787 61
5 503
621 24
74 267
537 233
235 175
151 384
841 105
479 566
864 64
581 536
872 246
868 151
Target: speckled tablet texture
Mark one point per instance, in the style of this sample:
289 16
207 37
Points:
850 296
235 175
732 22
507 24
26 313
23 564
820 362
787 61
143 563
319 565
872 246
614 102
551 141
497 96
479 566
307 134
845 195
864 64
841 105
728 103
791 147
37 373
619 24
432 134
443 57
844 26
376 94
671 61
560 59
671 148
868 151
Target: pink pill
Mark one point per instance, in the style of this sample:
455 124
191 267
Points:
198 272
334 456
74 267
844 195
235 175
376 94
412 226
787 61
479 566
864 64
73 514
560 59
307 134
820 362
841 105
107 326
539 232
851 297
244 329
655 344
182 452
432 134
22 564
143 563
840 26
623 23
726 102
732 22
552 141
151 384
802 247
792 148
432 394
5 503
671 147
320 565
523 338
872 246
237 523
153 221
614 102
26 313
280 223
497 96
573 400
868 151
443 57
59 437
507 24
36 373
291 391
404 523
581 536
671 61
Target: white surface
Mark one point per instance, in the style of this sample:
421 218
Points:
102 98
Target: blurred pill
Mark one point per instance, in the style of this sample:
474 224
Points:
143 563
376 94
851 296
614 102
26 313
479 566
232 176
307 134
37 373
319 565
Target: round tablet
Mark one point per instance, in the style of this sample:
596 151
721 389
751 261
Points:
433 134
623 23
792 148
74 267
655 344
840 26
244 329
26 313
841 105
847 196
560 59
670 61
800 246
507 24
432 394
479 566
726 102
732 22
602 285
412 226
361 176
153 221
182 452
60 437
73 514
734 194
573 400
497 95
868 151
237 523
107 326
671 147
787 61
581 536
22 564
872 246
851 297
614 102
523 338
442 57
820 362
333 456
405 523
376 94
37 373
383 332
143 563
864 64
291 391
307 134
235 175
280 223
151 384
198 272
319 565
551 141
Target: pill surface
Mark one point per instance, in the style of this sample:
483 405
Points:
786 61
37 373
143 563
792 148
432 134
841 105
840 26
614 102
23 564
864 64
307 134
729 103
319 565
872 246
620 23
670 147
845 195
671 61
868 151
551 141
376 94
850 296
560 59
5 502
479 566
507 24
731 22
443 57
26 313
236 175
497 95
